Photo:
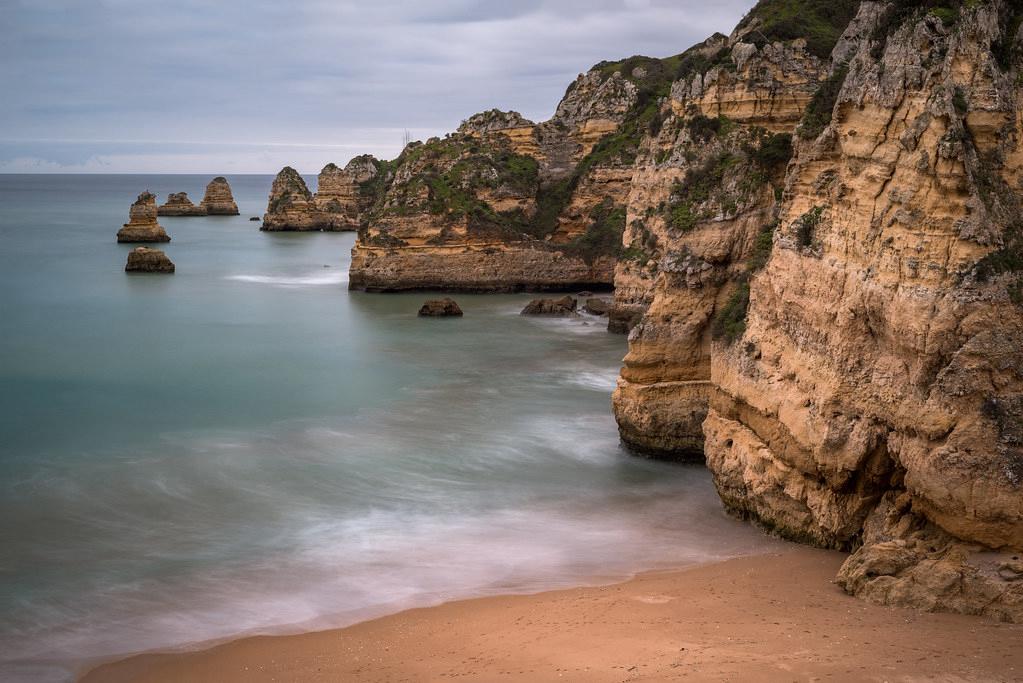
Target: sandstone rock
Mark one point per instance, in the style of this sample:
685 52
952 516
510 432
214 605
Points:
565 306
142 225
178 204
336 206
440 308
218 200
597 306
146 260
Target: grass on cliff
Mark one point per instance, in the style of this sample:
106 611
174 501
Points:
820 22
603 237
822 106
729 322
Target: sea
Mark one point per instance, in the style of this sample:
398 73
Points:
247 447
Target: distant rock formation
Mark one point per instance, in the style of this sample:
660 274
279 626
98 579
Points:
439 308
218 200
178 204
565 306
146 260
337 205
142 225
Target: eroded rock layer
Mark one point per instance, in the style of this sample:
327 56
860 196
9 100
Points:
178 204
844 348
340 199
218 200
142 225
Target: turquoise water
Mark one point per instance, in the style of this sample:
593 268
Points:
246 446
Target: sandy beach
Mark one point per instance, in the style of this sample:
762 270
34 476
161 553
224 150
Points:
772 617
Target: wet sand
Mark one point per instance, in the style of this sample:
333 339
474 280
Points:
772 617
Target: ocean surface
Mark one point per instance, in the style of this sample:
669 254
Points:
247 447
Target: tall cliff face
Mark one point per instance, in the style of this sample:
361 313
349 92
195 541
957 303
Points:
336 206
845 351
505 204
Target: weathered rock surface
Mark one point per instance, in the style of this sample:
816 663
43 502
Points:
178 204
597 306
565 306
218 200
844 349
142 225
146 260
341 197
440 308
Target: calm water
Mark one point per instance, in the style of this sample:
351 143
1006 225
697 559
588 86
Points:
245 446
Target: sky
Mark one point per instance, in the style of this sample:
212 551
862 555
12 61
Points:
249 86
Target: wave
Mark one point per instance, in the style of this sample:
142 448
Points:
331 278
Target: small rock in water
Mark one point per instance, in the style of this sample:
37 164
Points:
254 218
438 308
146 260
597 306
565 306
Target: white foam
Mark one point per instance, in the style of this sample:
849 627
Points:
331 278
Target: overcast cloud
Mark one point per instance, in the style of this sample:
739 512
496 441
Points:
235 86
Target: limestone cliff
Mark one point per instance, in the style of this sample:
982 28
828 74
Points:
218 200
142 225
178 204
336 206
505 204
845 350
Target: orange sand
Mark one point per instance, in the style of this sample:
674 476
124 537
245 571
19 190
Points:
766 618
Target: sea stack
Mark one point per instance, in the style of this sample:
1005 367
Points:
178 204
336 206
142 225
218 200
146 260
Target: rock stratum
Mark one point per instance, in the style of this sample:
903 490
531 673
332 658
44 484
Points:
218 200
178 204
342 195
823 285
815 234
142 225
146 260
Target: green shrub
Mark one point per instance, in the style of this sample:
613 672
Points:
822 106
806 226
729 321
604 235
820 22
774 151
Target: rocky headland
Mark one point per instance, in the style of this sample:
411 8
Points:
178 204
813 228
142 225
218 200
146 260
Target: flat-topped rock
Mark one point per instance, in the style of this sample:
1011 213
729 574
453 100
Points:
218 200
178 204
440 308
142 225
146 260
565 306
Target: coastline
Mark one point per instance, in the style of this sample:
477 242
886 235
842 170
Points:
777 616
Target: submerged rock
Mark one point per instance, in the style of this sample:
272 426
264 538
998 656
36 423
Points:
142 225
597 306
146 260
178 204
254 218
218 200
440 308
565 306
